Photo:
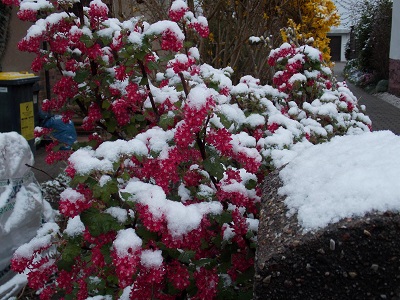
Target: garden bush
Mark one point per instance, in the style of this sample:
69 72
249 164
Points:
166 207
372 33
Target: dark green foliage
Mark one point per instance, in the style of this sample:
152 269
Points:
372 34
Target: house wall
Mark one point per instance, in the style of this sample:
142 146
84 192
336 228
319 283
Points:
345 39
394 63
13 59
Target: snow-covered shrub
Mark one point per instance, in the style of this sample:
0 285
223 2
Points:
314 107
168 206
354 74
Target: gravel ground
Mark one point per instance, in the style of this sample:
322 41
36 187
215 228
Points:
389 98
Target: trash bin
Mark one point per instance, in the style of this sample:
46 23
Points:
17 104
36 89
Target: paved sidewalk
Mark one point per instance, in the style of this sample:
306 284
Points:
51 170
384 116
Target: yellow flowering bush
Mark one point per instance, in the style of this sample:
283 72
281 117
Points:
314 19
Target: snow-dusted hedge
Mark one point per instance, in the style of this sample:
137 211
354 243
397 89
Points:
167 206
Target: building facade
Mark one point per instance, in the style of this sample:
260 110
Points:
339 37
14 60
394 56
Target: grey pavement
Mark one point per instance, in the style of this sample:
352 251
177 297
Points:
43 171
384 116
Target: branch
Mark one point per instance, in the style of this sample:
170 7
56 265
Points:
184 84
202 149
153 104
32 167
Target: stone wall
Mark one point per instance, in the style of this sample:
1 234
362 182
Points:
394 77
394 64
355 258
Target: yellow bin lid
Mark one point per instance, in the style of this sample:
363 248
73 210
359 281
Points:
15 75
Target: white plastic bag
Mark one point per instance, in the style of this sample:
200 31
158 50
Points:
21 206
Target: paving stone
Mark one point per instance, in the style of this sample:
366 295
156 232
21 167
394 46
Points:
384 116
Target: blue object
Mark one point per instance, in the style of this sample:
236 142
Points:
63 132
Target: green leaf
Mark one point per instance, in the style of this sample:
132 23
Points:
105 105
125 176
244 277
203 262
251 184
217 241
87 40
139 118
166 57
213 85
106 40
111 279
178 104
65 265
124 53
145 234
92 143
98 222
79 179
225 293
69 254
154 153
69 297
98 285
152 65
188 44
131 61
166 121
224 217
171 290
126 196
144 81
186 256
245 295
225 121
106 251
111 125
249 234
140 55
50 66
106 114
224 267
104 192
179 87
131 130
214 167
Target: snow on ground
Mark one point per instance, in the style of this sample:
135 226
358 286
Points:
392 99
346 177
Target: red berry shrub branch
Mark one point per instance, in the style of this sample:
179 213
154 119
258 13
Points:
167 207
